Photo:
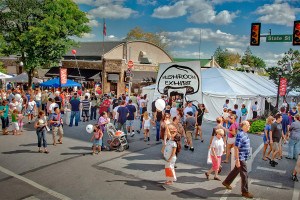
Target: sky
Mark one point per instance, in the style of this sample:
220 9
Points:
193 26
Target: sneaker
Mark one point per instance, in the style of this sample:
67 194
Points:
294 178
247 195
228 187
192 149
132 134
138 131
186 146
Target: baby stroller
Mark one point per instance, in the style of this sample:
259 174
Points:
117 139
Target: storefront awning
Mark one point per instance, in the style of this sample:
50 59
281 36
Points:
73 73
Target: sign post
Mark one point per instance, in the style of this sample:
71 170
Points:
63 76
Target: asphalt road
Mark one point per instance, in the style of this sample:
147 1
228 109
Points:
71 172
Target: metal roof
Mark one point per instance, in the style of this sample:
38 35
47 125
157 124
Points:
93 48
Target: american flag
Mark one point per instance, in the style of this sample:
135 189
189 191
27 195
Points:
104 28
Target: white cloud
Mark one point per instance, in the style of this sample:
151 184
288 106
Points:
198 11
88 35
235 50
92 21
147 2
113 9
277 13
271 59
191 36
112 12
177 10
225 1
112 38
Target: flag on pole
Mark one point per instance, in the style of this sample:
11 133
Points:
104 28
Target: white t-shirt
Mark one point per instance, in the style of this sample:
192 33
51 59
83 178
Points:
147 123
38 97
13 106
218 145
142 101
31 105
116 112
169 149
186 110
52 106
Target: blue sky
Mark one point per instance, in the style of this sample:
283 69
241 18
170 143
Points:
224 23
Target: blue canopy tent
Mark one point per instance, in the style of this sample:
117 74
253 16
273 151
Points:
55 83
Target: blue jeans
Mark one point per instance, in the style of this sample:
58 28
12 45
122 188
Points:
294 148
157 130
41 135
75 114
122 127
93 112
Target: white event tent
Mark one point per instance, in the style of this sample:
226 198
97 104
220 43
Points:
239 87
23 78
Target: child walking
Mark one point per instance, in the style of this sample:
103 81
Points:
14 120
171 151
97 139
40 126
146 126
216 151
57 125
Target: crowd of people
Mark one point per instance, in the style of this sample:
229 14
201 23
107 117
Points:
177 125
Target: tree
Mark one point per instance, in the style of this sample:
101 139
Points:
40 30
258 62
225 58
247 59
289 66
138 33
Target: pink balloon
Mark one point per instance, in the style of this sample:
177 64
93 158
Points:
74 51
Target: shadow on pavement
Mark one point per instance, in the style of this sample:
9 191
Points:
87 148
146 184
190 179
28 145
20 151
145 167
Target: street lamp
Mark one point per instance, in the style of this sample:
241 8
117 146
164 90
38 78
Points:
21 64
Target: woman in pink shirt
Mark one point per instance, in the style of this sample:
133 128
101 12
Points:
233 129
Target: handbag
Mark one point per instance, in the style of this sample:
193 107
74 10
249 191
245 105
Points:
209 161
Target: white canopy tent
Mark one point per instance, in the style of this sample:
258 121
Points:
149 90
239 87
23 78
4 76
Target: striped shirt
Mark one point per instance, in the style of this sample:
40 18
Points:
243 143
85 104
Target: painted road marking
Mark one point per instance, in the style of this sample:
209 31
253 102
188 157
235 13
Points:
296 192
272 170
34 184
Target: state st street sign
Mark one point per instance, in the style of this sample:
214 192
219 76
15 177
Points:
279 38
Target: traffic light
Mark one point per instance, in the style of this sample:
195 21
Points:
296 33
255 34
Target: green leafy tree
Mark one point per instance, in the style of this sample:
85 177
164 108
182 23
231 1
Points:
138 33
258 62
289 67
247 59
225 58
40 30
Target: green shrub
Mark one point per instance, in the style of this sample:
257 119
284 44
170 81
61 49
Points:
257 126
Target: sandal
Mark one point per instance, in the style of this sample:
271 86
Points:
168 183
60 142
46 152
207 175
217 179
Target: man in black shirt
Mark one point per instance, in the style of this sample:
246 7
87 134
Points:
275 138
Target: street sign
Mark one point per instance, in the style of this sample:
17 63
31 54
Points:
130 64
129 73
279 38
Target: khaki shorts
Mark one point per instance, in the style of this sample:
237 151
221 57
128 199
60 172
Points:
231 140
189 135
275 146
